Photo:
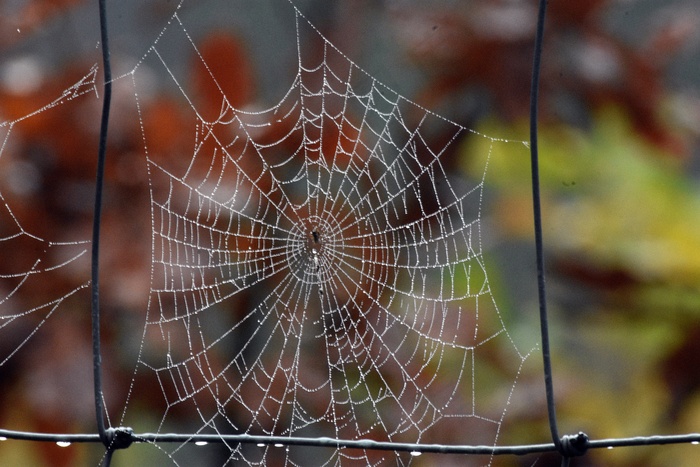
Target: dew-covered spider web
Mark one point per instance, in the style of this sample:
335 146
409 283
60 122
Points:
33 256
317 267
315 274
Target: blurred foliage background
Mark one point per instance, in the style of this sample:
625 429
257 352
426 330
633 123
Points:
620 159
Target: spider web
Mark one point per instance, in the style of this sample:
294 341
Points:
32 257
317 267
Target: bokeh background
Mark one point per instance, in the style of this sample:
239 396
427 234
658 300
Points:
620 121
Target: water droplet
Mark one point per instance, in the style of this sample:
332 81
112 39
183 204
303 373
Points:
2 438
261 445
278 445
416 453
63 444
201 443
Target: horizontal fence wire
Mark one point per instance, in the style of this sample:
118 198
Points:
203 439
120 438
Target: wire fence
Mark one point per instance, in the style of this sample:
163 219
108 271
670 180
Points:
568 446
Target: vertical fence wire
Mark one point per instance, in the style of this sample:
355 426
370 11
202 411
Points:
570 445
537 214
97 222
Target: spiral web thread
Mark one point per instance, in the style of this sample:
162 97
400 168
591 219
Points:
317 269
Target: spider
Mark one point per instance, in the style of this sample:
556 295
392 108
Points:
315 254
317 240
